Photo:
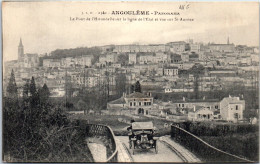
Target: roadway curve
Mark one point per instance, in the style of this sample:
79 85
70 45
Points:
165 154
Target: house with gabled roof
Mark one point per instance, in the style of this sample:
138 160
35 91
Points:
201 113
136 103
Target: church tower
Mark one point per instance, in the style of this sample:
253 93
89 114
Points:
228 40
20 50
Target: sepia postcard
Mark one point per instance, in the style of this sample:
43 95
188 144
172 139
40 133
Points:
89 82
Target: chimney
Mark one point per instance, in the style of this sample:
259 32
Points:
204 97
229 96
183 98
124 95
194 108
242 96
150 94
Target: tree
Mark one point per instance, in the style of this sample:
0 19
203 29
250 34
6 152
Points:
44 94
196 87
138 87
132 88
197 69
26 89
107 85
120 84
123 59
12 88
81 105
10 108
32 88
68 87
34 95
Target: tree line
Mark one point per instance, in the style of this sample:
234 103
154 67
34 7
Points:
34 129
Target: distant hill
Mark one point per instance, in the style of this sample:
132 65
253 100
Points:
73 52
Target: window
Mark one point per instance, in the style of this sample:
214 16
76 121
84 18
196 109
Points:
236 107
236 115
182 105
179 105
145 103
134 104
130 103
216 106
140 103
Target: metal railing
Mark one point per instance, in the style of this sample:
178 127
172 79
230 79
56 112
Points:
94 130
202 149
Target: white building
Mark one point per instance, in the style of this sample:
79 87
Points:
132 58
231 108
146 58
160 58
108 59
137 103
51 63
201 114
85 60
170 71
185 57
177 46
29 61
67 62
195 47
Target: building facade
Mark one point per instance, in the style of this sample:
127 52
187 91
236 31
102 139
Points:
136 103
231 108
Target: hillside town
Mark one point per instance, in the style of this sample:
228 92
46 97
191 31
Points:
183 68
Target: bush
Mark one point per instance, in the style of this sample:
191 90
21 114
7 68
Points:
42 133
217 129
243 145
237 139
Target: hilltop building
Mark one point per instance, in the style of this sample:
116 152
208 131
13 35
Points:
222 47
27 60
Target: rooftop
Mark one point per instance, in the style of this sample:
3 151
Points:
121 100
137 95
170 67
196 100
232 99
221 45
31 55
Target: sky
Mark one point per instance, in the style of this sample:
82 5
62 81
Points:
46 26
